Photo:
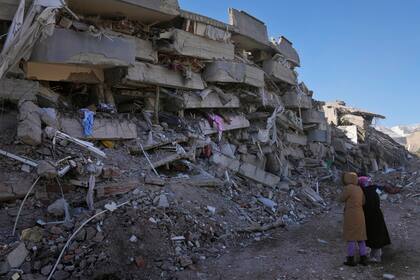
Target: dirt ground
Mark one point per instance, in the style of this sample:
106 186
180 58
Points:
315 251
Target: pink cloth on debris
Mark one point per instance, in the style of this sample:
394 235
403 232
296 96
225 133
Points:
218 120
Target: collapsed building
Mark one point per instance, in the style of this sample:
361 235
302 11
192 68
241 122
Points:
108 96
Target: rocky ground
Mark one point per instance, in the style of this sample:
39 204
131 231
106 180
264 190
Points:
172 232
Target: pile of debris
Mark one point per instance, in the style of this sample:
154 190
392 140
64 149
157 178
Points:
137 123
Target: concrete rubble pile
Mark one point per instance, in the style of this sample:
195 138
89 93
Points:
199 130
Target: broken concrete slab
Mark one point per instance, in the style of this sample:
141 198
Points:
297 139
29 129
171 158
197 181
279 71
103 129
294 100
236 122
17 257
15 90
285 47
251 33
317 135
67 46
144 50
245 169
351 132
63 73
234 72
313 116
145 11
191 100
349 119
145 73
180 42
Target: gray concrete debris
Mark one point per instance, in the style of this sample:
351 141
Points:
251 33
70 47
285 47
145 73
180 42
163 201
16 89
47 169
17 257
278 69
245 169
294 100
4 267
313 116
58 207
145 11
29 129
103 129
234 72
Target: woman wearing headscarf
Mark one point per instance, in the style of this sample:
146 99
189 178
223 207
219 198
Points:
354 226
377 232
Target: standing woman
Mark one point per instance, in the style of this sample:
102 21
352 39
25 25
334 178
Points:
377 232
354 227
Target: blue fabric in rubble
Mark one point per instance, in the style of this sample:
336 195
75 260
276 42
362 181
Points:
87 123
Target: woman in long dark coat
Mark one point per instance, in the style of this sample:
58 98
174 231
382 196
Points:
377 232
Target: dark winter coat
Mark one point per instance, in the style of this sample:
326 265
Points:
377 232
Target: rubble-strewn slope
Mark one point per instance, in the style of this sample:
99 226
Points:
140 139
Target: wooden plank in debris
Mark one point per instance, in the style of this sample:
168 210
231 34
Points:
103 129
112 189
185 43
236 122
247 170
64 73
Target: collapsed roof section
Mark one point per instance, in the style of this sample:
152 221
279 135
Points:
145 11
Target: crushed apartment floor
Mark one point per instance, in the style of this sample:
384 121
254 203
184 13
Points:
142 141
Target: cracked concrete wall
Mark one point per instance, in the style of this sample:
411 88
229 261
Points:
185 43
67 46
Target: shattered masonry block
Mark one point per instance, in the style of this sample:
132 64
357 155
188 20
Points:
279 72
251 32
286 48
64 73
297 139
145 73
351 132
67 46
236 122
313 116
145 50
145 11
103 129
16 89
317 135
350 119
331 114
29 129
191 100
245 169
185 43
292 100
234 72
